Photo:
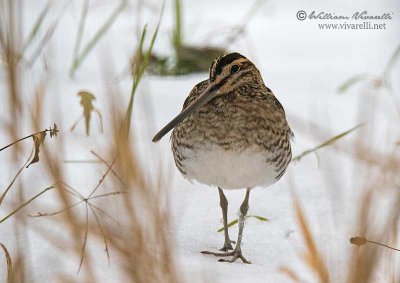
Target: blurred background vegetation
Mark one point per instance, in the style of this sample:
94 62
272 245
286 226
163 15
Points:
115 205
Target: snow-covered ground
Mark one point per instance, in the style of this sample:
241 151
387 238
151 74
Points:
301 63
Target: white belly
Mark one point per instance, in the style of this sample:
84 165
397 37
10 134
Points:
228 169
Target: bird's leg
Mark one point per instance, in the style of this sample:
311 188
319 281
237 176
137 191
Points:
224 206
237 252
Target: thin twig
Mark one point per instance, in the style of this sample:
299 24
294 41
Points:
102 232
100 119
107 194
72 189
108 165
24 138
102 179
82 161
84 239
383 245
40 214
105 213
76 123
246 19
74 194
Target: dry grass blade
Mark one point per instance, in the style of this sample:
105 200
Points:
9 263
326 143
313 258
70 190
290 273
26 203
15 177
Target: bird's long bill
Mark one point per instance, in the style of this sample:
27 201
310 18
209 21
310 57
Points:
203 98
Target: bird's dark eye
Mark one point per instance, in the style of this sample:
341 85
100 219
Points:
234 69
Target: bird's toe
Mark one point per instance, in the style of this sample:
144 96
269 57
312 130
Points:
227 247
235 254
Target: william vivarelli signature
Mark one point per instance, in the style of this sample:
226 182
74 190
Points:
356 16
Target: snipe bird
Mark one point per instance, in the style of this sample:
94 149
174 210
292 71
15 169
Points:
232 133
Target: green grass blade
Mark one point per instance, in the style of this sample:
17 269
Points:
140 71
81 28
177 36
36 27
326 143
230 224
260 218
98 35
353 80
392 61
236 221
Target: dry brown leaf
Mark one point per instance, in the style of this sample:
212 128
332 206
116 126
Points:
358 241
38 139
9 262
87 104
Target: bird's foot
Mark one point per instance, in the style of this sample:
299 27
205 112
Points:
235 254
227 245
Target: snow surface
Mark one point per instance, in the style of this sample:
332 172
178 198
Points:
302 64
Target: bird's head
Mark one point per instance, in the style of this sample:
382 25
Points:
227 72
231 70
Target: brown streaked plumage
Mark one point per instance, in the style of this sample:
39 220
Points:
232 133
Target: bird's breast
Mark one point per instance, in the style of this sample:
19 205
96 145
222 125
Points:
232 144
228 169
